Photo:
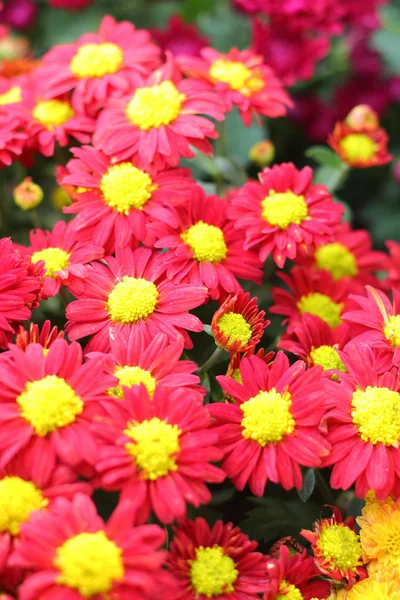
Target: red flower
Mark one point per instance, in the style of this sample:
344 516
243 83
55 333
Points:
158 451
13 137
360 148
179 37
218 562
393 265
132 291
70 4
45 336
284 212
274 426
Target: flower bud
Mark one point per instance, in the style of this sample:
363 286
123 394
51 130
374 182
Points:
59 198
262 153
28 195
362 117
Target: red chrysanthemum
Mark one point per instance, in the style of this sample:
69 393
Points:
70 4
180 38
69 553
132 291
45 336
242 79
13 138
157 123
360 148
158 451
273 427
393 265
284 212
119 199
219 562
205 248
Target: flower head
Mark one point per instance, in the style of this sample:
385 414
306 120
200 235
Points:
180 37
45 336
372 589
28 195
360 148
13 138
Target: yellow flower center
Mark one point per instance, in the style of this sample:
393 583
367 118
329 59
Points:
132 299
18 498
284 209
206 241
392 330
55 260
11 96
235 326
289 592
341 547
53 113
337 259
267 417
213 572
358 146
125 187
48 404
96 60
237 76
155 106
89 563
323 307
129 376
156 447
327 358
376 413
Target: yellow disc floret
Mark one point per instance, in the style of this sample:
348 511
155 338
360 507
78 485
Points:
129 376
206 241
340 546
18 498
337 259
328 358
89 563
12 96
96 60
267 417
156 447
132 299
392 330
323 307
284 209
358 147
155 106
376 414
55 260
49 404
213 572
288 591
53 113
125 187
235 326
237 76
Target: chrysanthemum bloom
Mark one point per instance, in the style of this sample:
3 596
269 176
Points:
70 4
219 562
119 199
372 589
364 426
180 38
135 358
47 401
242 79
274 426
238 325
294 577
45 336
157 124
74 555
360 148
315 293
336 548
158 451
13 138
132 291
284 212
205 248
99 66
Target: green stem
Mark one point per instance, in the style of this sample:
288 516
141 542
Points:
211 361
324 488
338 178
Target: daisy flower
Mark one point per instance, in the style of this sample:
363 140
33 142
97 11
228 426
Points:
157 123
13 138
45 336
360 148
71 554
219 562
158 451
119 200
284 212
373 588
132 291
274 426
205 248
242 79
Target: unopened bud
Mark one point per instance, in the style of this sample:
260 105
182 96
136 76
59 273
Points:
363 117
262 153
28 195
59 198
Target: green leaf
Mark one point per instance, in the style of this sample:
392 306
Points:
324 156
192 8
308 485
388 45
239 138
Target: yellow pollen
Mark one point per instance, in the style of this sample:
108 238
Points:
48 404
156 447
237 76
55 260
376 414
206 241
284 209
267 417
155 106
53 113
131 300
12 96
89 563
392 330
213 572
358 146
341 547
96 60
323 307
125 187
337 259
18 498
235 326
289 592
129 376
327 358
